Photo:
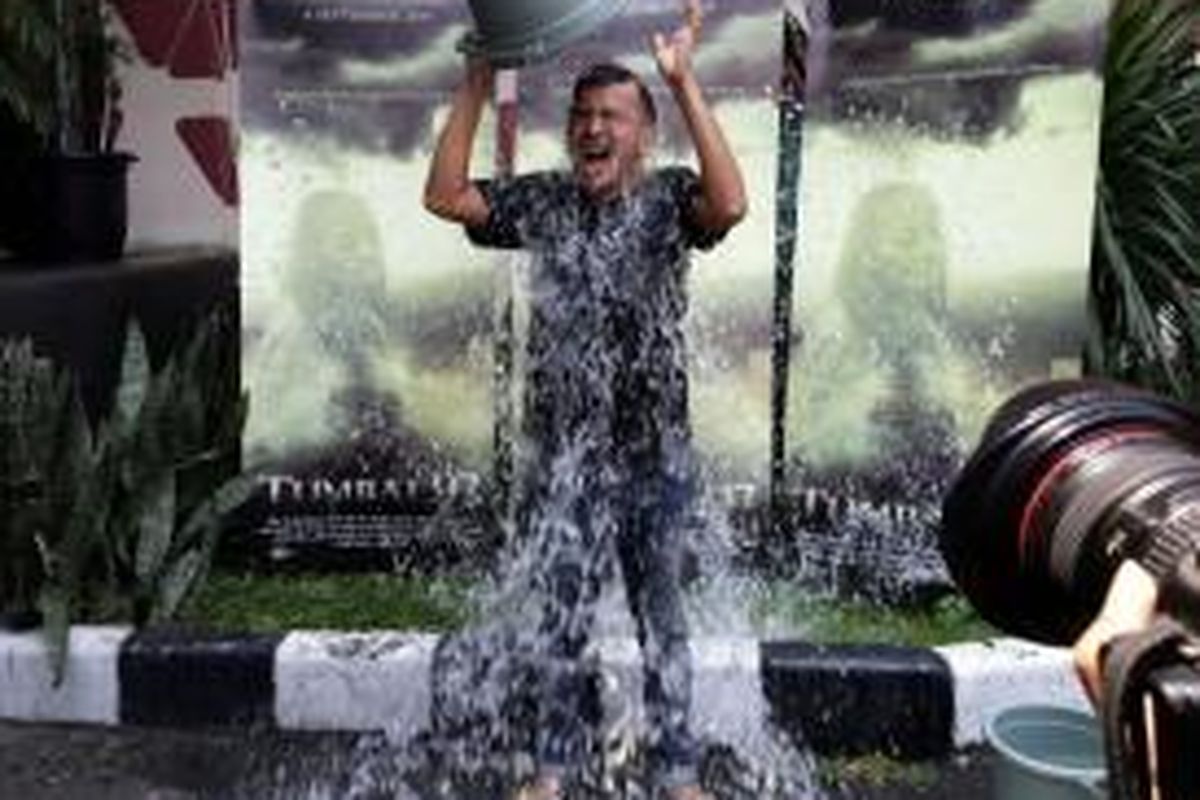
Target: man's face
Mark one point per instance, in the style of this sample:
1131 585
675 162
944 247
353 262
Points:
608 137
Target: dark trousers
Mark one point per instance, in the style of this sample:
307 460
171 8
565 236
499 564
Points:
582 524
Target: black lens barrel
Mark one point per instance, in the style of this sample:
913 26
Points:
1068 478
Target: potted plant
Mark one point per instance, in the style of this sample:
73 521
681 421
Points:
60 93
118 522
1145 325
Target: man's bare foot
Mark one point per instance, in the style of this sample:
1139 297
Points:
544 787
690 791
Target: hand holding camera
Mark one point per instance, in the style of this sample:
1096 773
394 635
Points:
1129 608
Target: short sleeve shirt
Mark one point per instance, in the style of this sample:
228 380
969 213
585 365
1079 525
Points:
606 361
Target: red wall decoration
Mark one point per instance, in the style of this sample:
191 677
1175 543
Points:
191 40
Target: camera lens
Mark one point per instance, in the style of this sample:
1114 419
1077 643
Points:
1069 479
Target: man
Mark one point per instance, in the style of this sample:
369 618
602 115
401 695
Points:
606 397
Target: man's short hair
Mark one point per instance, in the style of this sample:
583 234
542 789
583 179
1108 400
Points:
605 74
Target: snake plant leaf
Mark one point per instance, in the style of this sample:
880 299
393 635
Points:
71 455
149 439
187 434
32 395
199 536
135 376
181 578
156 528
80 540
196 477
228 429
55 605
76 502
229 497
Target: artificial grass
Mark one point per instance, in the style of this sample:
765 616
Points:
249 603
947 620
252 603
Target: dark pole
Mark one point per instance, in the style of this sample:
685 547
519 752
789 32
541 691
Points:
786 221
787 218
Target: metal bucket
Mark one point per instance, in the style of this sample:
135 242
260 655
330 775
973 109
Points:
514 34
1047 753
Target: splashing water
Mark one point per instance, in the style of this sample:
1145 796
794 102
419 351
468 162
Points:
479 741
609 520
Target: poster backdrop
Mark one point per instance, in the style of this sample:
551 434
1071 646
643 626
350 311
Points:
371 328
921 180
946 208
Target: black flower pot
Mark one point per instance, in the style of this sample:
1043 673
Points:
72 207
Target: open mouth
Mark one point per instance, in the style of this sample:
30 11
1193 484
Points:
593 154
597 165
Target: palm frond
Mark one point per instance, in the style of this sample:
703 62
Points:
1145 322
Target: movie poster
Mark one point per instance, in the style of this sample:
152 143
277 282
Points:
945 224
382 352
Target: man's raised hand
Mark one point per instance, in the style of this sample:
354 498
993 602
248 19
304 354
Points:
674 53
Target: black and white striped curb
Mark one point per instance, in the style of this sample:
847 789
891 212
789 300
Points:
910 702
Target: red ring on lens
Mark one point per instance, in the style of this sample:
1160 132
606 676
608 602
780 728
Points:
1066 462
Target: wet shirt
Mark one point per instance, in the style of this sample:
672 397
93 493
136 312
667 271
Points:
606 363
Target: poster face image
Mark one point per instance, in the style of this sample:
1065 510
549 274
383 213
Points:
371 329
365 327
947 196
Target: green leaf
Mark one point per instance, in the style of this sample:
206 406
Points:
199 537
150 452
72 459
179 581
135 377
55 606
156 527
1146 268
188 432
230 496
1145 324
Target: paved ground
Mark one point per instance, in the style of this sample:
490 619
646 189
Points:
57 762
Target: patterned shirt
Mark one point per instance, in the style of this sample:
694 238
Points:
606 362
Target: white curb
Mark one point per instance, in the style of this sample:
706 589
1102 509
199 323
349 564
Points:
338 681
353 681
90 689
998 674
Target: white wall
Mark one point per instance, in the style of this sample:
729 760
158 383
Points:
170 200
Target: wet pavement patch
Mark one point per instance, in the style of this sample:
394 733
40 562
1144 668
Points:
67 762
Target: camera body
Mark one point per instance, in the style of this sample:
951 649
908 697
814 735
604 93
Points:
1070 479
1151 702
1171 726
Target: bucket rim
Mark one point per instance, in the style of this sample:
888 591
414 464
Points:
545 42
1090 776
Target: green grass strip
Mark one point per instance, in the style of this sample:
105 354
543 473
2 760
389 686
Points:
273 603
793 614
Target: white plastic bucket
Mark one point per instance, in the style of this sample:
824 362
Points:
1047 753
